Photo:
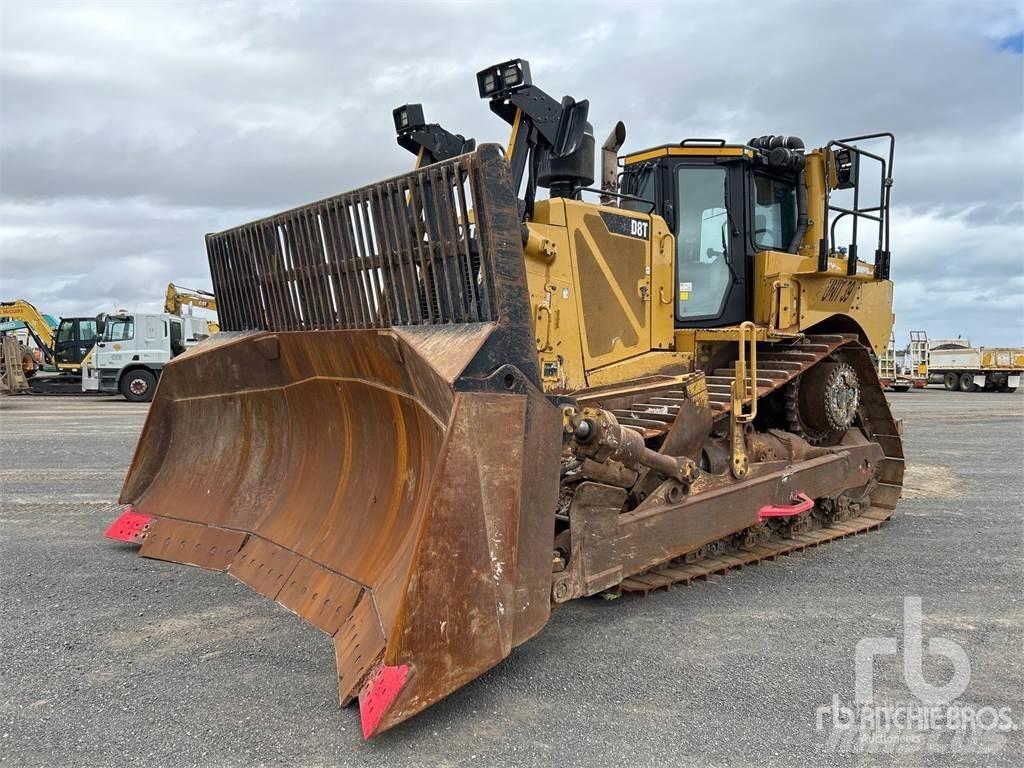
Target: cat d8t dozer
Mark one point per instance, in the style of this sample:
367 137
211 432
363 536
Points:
439 409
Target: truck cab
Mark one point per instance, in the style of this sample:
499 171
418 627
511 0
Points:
135 348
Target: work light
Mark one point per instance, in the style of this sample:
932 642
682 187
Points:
503 79
408 117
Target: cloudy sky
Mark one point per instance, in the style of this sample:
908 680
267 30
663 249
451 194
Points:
130 129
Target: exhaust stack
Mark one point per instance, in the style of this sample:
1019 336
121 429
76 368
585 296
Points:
610 162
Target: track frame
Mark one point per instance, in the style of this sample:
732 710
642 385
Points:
654 545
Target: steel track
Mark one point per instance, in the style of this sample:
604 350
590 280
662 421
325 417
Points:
779 364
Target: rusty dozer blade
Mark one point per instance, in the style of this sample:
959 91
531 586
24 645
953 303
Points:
367 443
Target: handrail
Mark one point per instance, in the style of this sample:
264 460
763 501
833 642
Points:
827 244
738 417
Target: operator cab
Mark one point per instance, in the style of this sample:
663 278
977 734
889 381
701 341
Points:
74 338
723 203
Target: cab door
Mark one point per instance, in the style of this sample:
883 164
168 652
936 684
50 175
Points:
88 334
711 254
75 337
177 337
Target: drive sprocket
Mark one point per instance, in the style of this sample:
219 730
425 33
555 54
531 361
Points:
821 404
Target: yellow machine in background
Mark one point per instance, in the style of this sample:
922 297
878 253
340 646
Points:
444 405
64 347
68 348
177 298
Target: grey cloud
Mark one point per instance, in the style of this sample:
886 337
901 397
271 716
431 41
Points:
128 131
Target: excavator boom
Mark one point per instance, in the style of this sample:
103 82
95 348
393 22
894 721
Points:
36 325
176 298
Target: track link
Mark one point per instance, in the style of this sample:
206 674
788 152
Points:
669 575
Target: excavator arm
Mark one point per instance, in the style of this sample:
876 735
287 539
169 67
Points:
178 297
38 328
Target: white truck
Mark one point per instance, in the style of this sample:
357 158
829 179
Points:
135 348
958 366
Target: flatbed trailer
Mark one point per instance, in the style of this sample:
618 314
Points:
960 367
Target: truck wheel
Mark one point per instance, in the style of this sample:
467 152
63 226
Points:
138 385
967 382
1011 390
951 381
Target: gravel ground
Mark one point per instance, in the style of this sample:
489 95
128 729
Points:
109 659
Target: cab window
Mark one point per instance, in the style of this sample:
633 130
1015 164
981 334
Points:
638 182
87 330
120 329
66 332
775 213
702 228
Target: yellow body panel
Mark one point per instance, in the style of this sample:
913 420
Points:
1002 358
598 295
604 305
814 174
791 296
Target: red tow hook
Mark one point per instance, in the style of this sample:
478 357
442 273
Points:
801 503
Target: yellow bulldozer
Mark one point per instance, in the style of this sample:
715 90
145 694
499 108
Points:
445 403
